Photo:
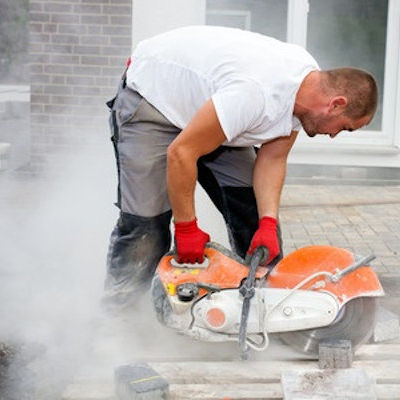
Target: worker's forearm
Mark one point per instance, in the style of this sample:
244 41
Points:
269 176
181 182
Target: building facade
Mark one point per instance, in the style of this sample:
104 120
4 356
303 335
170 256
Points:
78 50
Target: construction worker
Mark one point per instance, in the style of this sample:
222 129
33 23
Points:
193 105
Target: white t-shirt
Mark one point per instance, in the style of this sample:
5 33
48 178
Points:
252 79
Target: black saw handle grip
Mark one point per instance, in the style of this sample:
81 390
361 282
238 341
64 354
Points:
247 291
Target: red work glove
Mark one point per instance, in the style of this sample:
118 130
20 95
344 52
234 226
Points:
266 236
190 242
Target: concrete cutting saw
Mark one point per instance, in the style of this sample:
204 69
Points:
314 294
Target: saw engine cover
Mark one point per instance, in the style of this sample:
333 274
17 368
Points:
295 299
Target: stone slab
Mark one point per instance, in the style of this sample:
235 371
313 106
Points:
387 326
139 382
328 384
335 354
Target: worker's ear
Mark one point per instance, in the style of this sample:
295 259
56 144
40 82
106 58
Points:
337 105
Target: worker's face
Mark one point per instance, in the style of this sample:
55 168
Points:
315 123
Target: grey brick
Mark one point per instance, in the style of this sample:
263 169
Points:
57 109
57 80
86 90
60 100
39 58
85 70
64 59
88 110
58 48
87 50
57 89
81 80
98 1
121 41
117 30
40 99
58 69
39 17
68 39
35 48
94 29
36 68
39 38
117 10
37 109
39 78
36 27
91 100
50 28
35 6
94 19
121 20
77 29
94 60
115 51
94 40
57 7
64 18
87 9
40 119
36 89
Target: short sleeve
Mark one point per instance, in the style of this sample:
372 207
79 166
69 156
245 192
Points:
239 107
296 124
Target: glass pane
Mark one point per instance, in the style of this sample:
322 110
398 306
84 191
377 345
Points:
268 17
14 25
350 33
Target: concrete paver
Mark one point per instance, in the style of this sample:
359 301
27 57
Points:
362 219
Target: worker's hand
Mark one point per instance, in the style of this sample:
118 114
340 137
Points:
190 242
266 235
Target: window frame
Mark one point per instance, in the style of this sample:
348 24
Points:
389 135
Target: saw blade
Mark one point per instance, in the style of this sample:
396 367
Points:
355 322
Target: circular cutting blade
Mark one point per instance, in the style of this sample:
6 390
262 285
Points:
355 322
160 300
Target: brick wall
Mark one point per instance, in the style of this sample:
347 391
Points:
78 50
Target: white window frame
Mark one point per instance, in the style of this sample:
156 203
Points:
389 135
245 14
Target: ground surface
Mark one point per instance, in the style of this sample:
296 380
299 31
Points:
54 239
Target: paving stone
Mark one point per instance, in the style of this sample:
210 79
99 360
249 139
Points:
335 354
140 382
328 384
387 326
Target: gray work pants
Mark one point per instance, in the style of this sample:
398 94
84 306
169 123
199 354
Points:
141 136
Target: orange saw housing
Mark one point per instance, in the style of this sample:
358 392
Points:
227 273
223 271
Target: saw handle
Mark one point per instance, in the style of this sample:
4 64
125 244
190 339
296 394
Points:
247 291
260 252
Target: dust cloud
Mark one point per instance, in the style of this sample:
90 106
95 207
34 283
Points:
54 240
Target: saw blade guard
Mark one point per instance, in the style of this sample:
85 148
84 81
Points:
307 261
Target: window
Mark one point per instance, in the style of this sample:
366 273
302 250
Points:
14 18
350 33
264 16
359 33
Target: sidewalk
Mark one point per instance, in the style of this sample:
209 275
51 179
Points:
52 263
362 219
